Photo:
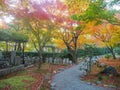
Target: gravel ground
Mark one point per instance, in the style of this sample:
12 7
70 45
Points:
69 79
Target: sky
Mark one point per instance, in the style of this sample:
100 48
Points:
116 7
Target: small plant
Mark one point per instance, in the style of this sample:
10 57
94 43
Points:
107 56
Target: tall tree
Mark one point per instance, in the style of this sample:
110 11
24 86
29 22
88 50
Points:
39 19
71 38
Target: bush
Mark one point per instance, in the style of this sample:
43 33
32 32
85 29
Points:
91 50
108 56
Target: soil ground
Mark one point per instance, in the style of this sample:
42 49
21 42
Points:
107 80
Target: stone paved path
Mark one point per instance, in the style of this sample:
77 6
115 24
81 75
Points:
69 79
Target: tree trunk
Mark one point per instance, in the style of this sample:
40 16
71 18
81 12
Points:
40 60
6 49
74 57
6 46
90 65
19 47
113 54
15 47
23 53
53 57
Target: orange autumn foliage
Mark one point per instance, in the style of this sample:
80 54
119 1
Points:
104 34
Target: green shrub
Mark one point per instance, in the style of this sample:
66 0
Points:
107 56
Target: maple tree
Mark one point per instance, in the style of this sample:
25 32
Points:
66 33
72 38
40 37
92 14
42 17
105 36
40 22
77 6
92 18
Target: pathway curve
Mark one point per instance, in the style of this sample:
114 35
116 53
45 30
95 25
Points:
69 79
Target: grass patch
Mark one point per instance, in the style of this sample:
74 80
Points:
21 72
16 82
105 77
43 70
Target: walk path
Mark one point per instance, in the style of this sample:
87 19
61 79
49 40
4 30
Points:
69 79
